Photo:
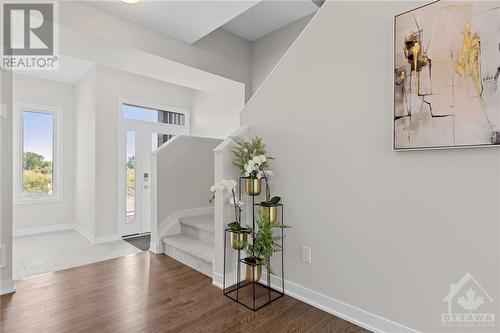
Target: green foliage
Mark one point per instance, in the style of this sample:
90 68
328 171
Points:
265 242
37 182
244 151
271 202
130 182
37 174
235 226
131 162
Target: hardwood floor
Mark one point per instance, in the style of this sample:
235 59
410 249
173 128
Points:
147 293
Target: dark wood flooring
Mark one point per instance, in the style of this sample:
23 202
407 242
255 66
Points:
147 293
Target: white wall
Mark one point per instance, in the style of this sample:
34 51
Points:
389 231
6 283
112 85
49 93
85 147
220 52
267 51
185 173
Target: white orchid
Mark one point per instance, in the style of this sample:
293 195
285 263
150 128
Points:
239 203
224 184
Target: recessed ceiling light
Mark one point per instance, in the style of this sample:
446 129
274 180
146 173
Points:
131 1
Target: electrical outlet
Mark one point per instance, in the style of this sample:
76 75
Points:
305 254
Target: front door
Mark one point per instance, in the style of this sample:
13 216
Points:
141 139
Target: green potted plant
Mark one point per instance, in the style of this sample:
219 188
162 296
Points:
250 158
270 208
238 234
264 243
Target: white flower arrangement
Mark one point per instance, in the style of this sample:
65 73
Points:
254 167
228 185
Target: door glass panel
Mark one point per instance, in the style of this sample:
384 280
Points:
159 139
131 181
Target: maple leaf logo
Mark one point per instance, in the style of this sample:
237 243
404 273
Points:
471 301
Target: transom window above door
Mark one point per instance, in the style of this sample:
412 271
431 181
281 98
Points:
134 112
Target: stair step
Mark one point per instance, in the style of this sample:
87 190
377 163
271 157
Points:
190 251
202 222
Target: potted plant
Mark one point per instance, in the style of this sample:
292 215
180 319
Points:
250 158
270 208
264 244
238 234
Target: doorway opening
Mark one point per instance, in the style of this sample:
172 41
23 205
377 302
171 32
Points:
144 128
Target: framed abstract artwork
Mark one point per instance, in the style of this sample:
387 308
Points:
446 76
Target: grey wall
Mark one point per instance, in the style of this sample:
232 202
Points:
185 173
6 178
267 51
389 231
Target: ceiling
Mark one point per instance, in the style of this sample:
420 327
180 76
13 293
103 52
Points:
71 71
268 16
189 21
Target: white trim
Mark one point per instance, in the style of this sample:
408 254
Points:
42 230
57 158
351 313
7 287
84 233
96 240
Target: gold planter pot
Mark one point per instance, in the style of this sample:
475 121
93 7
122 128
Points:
238 240
253 186
253 273
271 212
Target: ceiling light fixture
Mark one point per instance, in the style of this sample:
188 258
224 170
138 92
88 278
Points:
131 1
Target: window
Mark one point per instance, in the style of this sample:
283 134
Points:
134 112
37 170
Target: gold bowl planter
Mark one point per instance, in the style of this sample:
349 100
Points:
271 212
252 186
253 272
238 239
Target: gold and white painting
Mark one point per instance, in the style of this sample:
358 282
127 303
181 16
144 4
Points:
446 76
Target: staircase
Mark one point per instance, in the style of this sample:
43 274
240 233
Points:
194 246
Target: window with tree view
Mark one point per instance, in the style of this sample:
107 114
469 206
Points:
38 178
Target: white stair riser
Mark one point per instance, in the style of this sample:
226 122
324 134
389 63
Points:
193 232
188 260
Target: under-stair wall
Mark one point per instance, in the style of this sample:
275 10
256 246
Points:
183 171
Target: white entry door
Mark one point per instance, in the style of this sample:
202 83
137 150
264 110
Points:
139 141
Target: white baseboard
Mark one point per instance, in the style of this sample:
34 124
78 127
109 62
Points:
96 240
153 247
7 287
41 230
355 315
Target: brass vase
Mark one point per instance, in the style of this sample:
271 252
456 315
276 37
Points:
271 212
238 239
253 186
253 273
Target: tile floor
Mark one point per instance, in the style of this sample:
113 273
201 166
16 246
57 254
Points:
53 251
